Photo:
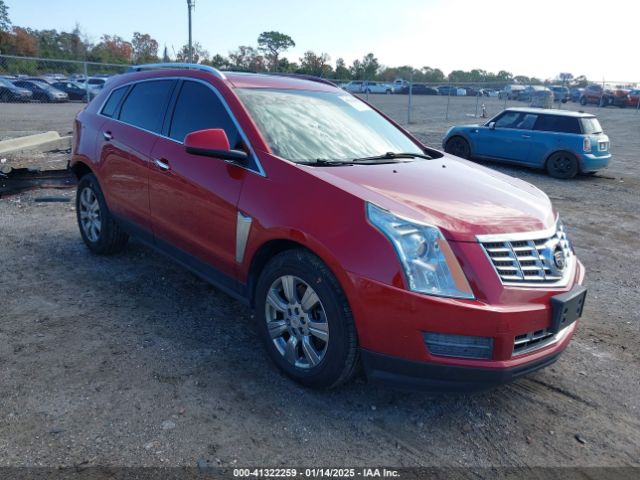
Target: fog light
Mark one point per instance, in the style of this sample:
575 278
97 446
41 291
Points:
461 346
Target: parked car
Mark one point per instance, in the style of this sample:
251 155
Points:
419 89
377 87
366 86
399 84
488 92
560 93
563 142
12 93
42 91
527 92
634 97
74 90
239 178
355 86
510 92
449 90
600 96
575 94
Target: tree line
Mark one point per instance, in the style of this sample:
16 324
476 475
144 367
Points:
266 55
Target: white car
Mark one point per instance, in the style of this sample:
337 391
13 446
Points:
366 86
377 87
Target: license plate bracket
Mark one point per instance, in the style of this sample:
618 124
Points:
567 308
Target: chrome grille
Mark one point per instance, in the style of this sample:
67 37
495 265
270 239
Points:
543 258
528 342
532 341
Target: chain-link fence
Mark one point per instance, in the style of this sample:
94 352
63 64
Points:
404 100
46 78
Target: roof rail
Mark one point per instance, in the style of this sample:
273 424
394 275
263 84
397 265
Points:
185 66
304 76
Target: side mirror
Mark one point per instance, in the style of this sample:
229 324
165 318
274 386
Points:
212 142
492 125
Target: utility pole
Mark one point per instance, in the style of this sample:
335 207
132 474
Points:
190 6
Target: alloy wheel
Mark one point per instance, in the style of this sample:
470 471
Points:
297 322
90 217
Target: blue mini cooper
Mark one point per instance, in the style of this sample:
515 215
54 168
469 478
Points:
562 142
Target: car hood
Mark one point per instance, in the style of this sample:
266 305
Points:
461 198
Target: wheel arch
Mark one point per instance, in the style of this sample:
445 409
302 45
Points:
274 246
80 169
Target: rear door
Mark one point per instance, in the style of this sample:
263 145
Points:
125 143
194 198
552 133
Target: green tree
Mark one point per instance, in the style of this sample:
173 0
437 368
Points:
200 55
145 48
165 55
370 66
342 72
247 58
272 44
313 64
219 61
5 23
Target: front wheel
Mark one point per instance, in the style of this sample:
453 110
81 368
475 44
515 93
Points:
583 101
562 165
458 146
98 228
304 320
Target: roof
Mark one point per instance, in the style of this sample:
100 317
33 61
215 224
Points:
261 80
244 79
551 111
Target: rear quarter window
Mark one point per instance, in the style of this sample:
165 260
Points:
110 106
557 123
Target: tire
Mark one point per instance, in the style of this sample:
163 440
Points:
583 101
458 146
4 97
562 165
315 353
388 92
98 228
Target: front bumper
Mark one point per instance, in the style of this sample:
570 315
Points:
406 374
391 324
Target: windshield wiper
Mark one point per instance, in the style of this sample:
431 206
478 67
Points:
323 162
392 156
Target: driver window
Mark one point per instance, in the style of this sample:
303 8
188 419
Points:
508 120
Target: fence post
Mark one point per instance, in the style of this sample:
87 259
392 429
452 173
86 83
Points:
477 100
86 80
410 95
448 100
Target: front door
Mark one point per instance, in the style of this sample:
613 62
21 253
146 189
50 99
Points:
193 199
508 140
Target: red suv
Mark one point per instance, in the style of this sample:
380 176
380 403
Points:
354 243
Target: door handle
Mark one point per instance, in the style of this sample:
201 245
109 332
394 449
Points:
162 164
526 136
107 136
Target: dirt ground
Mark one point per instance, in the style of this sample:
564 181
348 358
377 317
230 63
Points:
131 360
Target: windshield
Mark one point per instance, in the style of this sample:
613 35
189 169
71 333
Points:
591 125
304 126
6 83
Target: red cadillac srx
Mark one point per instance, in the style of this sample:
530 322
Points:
355 244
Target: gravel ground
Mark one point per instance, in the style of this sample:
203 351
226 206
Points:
131 360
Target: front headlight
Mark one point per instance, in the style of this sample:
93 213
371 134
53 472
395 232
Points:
428 262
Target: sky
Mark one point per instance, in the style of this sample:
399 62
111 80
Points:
540 38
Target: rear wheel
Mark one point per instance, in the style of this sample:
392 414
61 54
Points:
583 101
304 320
98 228
563 165
458 146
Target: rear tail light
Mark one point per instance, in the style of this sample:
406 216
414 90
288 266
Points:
586 144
